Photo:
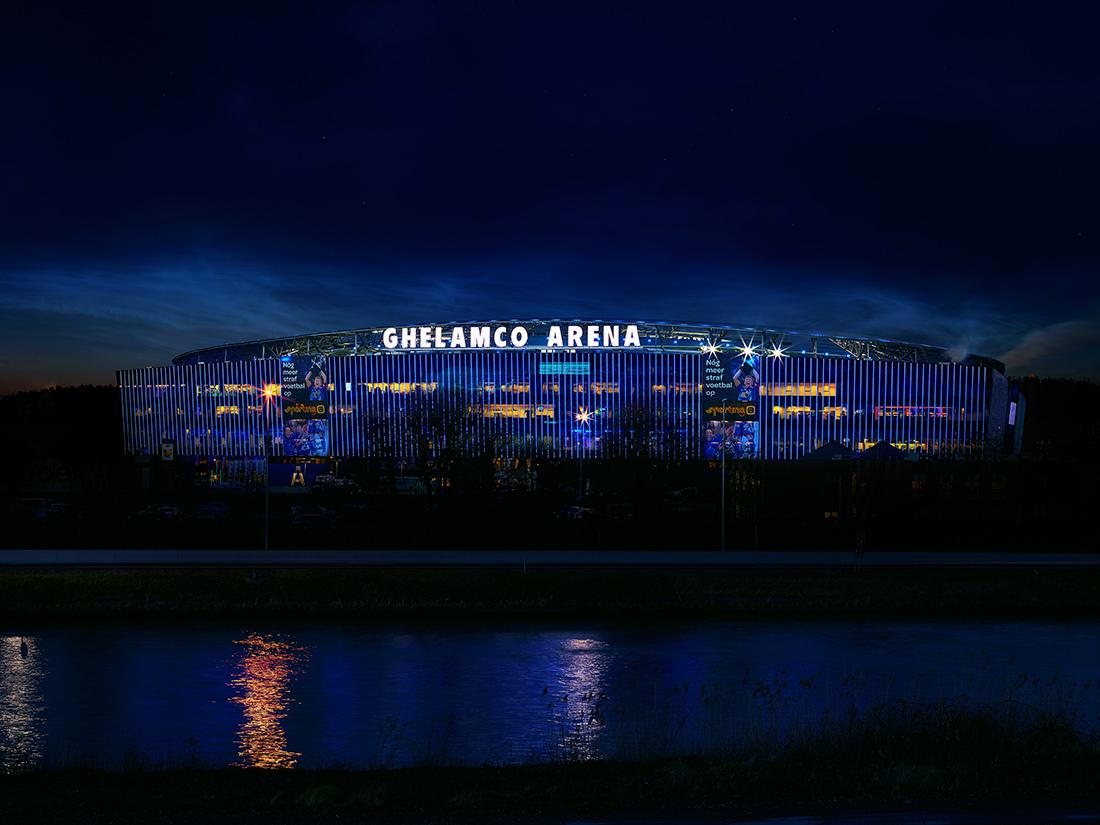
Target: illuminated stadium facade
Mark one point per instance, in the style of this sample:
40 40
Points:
565 388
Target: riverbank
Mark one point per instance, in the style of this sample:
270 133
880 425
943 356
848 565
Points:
542 593
900 758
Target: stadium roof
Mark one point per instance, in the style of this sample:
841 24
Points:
664 336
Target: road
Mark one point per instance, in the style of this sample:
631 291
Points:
538 558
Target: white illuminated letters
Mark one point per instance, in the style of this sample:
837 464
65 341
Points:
573 336
479 337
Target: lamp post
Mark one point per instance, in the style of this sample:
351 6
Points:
582 419
722 508
580 474
710 351
267 465
267 488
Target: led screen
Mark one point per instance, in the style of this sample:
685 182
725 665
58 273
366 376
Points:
305 400
731 404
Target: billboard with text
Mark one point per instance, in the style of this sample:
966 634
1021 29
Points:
731 405
305 399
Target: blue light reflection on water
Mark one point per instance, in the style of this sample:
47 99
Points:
322 695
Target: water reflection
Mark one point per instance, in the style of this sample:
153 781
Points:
262 676
473 695
22 708
579 711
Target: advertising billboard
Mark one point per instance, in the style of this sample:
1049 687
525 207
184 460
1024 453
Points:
305 398
731 405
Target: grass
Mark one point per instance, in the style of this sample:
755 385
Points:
540 593
897 754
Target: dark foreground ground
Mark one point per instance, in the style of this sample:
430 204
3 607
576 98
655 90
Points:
378 594
897 759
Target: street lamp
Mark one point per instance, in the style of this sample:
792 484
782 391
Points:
582 417
268 393
725 439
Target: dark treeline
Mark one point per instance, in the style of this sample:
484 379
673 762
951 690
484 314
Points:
71 486
63 440
1062 420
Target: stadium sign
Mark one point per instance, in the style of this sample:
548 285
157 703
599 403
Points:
570 336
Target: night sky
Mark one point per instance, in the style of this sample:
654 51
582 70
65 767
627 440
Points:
173 178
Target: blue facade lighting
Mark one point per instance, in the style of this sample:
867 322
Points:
641 400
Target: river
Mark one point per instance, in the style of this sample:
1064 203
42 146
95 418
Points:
365 696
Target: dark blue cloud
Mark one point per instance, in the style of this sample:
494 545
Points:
71 326
171 179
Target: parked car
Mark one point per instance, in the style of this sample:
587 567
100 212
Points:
314 522
32 507
159 512
410 486
620 511
575 512
208 510
312 518
330 481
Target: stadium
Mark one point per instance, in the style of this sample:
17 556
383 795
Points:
565 388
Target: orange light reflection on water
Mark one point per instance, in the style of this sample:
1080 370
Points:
261 683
